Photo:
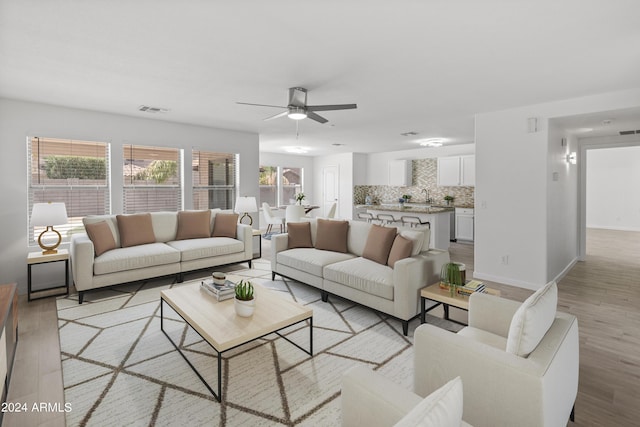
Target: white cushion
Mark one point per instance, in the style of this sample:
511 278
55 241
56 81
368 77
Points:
357 236
362 274
165 225
191 249
442 408
111 221
131 258
416 237
310 260
532 320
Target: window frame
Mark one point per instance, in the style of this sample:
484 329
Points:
232 189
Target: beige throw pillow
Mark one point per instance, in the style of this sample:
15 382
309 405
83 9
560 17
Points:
225 225
332 235
400 249
379 242
442 408
299 235
193 224
135 229
532 320
101 236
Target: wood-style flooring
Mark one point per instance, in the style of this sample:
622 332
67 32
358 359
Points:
603 292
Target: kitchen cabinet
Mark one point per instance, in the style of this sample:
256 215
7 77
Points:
464 224
400 173
457 171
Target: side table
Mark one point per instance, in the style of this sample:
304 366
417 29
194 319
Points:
443 297
35 258
258 234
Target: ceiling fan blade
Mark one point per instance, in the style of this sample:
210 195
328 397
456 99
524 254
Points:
331 107
318 118
284 113
261 105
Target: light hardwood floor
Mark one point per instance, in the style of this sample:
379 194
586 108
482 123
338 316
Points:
603 292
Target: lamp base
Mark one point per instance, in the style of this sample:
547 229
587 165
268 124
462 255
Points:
49 249
246 215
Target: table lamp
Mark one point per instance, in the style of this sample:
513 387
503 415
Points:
245 205
47 215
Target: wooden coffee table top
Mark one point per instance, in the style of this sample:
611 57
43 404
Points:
436 293
218 323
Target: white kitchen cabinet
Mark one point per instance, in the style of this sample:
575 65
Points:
464 224
400 173
457 171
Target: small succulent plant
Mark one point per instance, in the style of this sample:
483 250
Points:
244 290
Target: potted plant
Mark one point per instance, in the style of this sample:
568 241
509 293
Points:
244 301
299 198
450 277
449 199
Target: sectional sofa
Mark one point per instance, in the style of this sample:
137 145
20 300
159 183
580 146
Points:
123 248
389 286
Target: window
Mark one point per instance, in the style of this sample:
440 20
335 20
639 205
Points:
214 180
269 185
73 172
151 179
291 185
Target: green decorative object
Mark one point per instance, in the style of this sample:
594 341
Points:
300 197
244 302
451 277
244 290
449 199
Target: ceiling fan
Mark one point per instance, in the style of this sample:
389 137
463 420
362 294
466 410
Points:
297 108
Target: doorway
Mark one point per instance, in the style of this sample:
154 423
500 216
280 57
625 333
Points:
330 189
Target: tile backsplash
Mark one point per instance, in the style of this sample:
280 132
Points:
424 173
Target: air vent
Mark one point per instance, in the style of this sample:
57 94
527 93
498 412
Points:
412 133
629 132
152 110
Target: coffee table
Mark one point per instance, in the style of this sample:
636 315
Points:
217 322
443 296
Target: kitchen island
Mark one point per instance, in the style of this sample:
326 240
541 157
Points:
438 218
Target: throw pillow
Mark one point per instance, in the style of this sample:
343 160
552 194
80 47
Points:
225 225
299 235
442 408
416 237
379 242
532 320
400 249
101 236
193 225
135 229
332 235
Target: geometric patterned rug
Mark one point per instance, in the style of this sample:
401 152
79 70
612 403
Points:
119 368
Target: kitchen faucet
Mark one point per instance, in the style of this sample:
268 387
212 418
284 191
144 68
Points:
428 199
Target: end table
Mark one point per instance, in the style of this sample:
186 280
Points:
38 258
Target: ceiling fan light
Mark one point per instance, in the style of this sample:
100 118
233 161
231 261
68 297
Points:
297 113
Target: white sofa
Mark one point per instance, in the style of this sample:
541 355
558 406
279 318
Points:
394 291
166 256
536 389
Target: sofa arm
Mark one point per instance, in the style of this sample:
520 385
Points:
245 234
279 243
369 399
82 255
491 313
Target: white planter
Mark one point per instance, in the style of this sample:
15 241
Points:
244 308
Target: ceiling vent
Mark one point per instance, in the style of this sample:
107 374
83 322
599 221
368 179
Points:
629 132
412 133
152 110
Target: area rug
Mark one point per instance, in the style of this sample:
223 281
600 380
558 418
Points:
120 369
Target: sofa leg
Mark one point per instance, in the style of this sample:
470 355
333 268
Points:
80 297
405 327
179 278
325 296
273 275
572 417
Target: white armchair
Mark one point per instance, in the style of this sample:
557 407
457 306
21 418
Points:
518 362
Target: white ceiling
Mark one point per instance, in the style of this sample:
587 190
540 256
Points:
424 66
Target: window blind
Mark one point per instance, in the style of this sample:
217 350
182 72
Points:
214 179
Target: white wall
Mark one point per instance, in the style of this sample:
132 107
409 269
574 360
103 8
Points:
377 162
344 162
513 198
613 200
21 119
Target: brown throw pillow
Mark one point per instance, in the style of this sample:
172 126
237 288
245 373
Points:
379 242
135 229
225 225
332 235
400 249
101 236
193 224
299 235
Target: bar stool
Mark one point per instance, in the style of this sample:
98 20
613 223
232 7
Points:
414 221
386 219
365 216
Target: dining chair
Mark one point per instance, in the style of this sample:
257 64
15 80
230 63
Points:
271 219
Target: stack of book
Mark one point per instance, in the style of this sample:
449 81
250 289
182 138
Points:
220 292
471 287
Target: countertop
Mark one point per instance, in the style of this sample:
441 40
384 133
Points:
406 208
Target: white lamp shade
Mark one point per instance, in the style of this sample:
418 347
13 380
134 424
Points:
246 204
46 214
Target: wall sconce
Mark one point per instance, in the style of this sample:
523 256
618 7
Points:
47 215
245 205
572 158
